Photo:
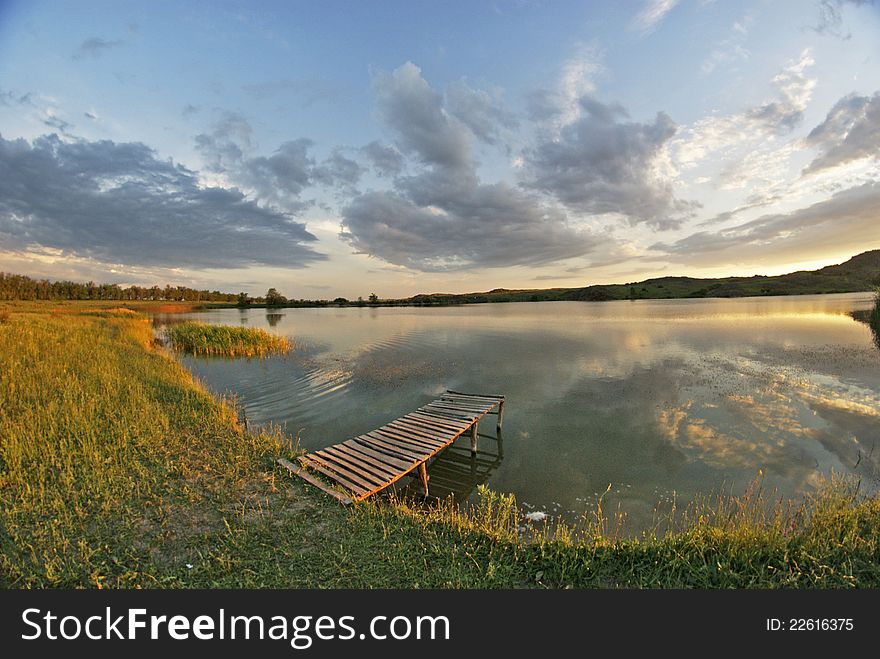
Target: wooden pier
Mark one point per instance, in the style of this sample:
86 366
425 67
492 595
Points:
364 465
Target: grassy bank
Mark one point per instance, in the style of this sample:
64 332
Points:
117 469
226 341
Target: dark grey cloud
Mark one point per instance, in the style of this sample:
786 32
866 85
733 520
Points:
281 177
95 47
9 97
386 160
57 123
481 226
851 131
119 203
278 179
189 110
830 19
846 222
223 148
339 171
602 163
415 111
443 218
480 111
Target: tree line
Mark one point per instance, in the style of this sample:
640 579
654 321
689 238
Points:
22 287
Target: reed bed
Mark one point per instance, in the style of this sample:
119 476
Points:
203 339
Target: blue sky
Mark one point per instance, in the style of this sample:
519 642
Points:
341 148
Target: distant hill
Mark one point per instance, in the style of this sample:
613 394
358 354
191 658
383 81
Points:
860 273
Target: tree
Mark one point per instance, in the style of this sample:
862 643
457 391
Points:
374 299
274 298
243 300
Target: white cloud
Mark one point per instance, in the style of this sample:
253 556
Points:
652 13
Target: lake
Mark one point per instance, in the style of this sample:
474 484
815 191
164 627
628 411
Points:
650 399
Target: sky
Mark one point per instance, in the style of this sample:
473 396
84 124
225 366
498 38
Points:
346 148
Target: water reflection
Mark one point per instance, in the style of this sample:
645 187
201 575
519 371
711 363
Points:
652 397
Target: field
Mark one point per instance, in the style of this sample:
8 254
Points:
118 469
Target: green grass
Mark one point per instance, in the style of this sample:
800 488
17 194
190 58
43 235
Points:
118 469
226 341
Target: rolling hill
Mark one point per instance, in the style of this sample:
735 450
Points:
860 273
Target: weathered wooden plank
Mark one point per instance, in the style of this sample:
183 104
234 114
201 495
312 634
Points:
458 409
421 430
317 482
434 421
410 436
384 444
385 462
392 462
405 441
376 474
451 405
452 409
391 443
445 414
365 482
379 468
473 402
468 399
461 393
357 490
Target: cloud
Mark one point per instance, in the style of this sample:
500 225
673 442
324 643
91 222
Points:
339 171
851 131
386 160
223 148
443 218
602 163
479 110
831 17
424 127
755 127
730 49
479 226
57 123
846 222
278 179
795 90
118 203
652 13
560 106
94 47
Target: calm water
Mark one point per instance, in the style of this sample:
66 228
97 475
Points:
649 397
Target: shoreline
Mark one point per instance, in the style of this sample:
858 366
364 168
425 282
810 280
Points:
119 469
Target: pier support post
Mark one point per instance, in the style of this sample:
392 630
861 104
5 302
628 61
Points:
423 476
500 415
474 439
